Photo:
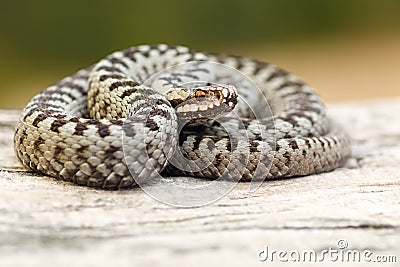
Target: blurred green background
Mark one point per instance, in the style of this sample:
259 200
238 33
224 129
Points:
347 49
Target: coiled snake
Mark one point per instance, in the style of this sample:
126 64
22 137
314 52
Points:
105 126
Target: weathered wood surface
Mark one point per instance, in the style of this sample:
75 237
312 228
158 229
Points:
48 222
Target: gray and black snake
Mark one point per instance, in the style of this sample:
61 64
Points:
106 126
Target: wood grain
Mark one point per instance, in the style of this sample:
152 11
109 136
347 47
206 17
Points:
48 222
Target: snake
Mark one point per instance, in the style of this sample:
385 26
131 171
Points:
113 125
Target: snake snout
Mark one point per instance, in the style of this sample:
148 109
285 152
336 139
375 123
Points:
205 103
229 96
221 95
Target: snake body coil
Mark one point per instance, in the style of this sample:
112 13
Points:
104 127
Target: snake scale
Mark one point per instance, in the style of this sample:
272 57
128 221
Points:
105 127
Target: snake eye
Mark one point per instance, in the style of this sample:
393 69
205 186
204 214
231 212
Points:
200 93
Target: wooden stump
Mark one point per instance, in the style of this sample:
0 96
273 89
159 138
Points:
48 222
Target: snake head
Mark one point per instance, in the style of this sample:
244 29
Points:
204 102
